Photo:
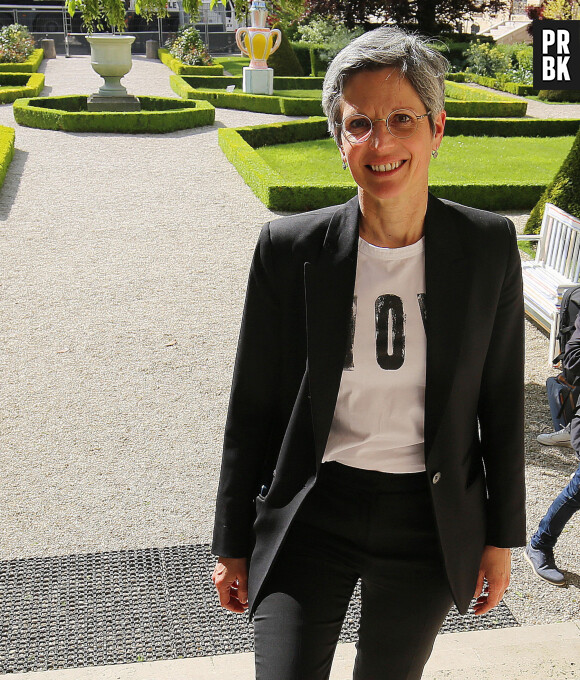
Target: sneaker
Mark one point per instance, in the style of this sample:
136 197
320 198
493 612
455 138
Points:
543 564
559 438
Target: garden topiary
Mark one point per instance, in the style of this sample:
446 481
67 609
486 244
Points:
559 95
284 61
564 191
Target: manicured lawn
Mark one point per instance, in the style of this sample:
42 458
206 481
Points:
234 65
479 160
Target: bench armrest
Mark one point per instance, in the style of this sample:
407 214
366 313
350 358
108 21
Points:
528 237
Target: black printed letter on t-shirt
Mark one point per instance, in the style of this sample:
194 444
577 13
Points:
385 306
390 307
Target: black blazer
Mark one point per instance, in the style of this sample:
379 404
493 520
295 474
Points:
291 351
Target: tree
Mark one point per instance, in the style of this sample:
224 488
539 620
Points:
559 9
428 16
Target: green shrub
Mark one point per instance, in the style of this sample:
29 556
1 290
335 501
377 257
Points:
514 88
31 65
564 191
284 61
559 95
511 127
192 87
188 47
486 60
16 44
310 57
6 150
16 85
157 115
281 133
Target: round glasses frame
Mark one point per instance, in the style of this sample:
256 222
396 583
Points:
360 140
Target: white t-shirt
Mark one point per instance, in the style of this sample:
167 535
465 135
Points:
378 421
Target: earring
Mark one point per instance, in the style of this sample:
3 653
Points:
344 164
434 153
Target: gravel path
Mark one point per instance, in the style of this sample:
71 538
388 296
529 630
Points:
124 267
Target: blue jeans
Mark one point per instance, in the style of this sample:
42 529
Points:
558 514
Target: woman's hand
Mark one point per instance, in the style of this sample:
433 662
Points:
495 566
230 577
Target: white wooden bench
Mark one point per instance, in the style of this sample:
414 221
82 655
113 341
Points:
556 267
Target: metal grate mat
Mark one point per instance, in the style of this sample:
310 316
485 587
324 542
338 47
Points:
135 605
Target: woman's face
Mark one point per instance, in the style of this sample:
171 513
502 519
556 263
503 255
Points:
377 94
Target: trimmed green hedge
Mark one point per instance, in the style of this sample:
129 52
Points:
559 95
260 103
316 128
31 65
511 127
563 191
157 115
482 104
475 102
16 85
513 88
309 57
6 150
184 69
203 82
277 193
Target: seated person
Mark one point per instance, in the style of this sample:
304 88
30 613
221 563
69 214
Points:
540 550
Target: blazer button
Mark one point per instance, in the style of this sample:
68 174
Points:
436 477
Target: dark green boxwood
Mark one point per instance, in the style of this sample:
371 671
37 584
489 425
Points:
563 191
466 109
309 57
16 85
184 69
239 144
289 106
559 95
511 127
281 133
31 65
492 104
490 196
513 88
284 60
6 150
157 115
280 82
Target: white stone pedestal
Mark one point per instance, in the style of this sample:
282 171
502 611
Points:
258 80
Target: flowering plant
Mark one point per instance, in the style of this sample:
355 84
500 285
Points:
16 44
187 46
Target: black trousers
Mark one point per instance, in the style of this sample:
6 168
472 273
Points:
355 524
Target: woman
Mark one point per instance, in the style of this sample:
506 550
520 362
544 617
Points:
376 422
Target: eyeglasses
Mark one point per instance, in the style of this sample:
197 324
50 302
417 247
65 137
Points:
402 123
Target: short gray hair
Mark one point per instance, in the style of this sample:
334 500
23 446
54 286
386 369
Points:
422 65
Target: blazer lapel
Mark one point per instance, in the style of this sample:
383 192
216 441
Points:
329 287
447 284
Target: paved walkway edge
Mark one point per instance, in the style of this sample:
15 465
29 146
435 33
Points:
527 653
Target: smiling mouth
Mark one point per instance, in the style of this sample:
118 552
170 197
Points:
388 167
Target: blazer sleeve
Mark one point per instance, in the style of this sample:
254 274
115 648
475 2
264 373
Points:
571 360
501 410
251 408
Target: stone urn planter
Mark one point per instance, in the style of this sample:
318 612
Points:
111 59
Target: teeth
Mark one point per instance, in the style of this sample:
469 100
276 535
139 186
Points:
386 168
